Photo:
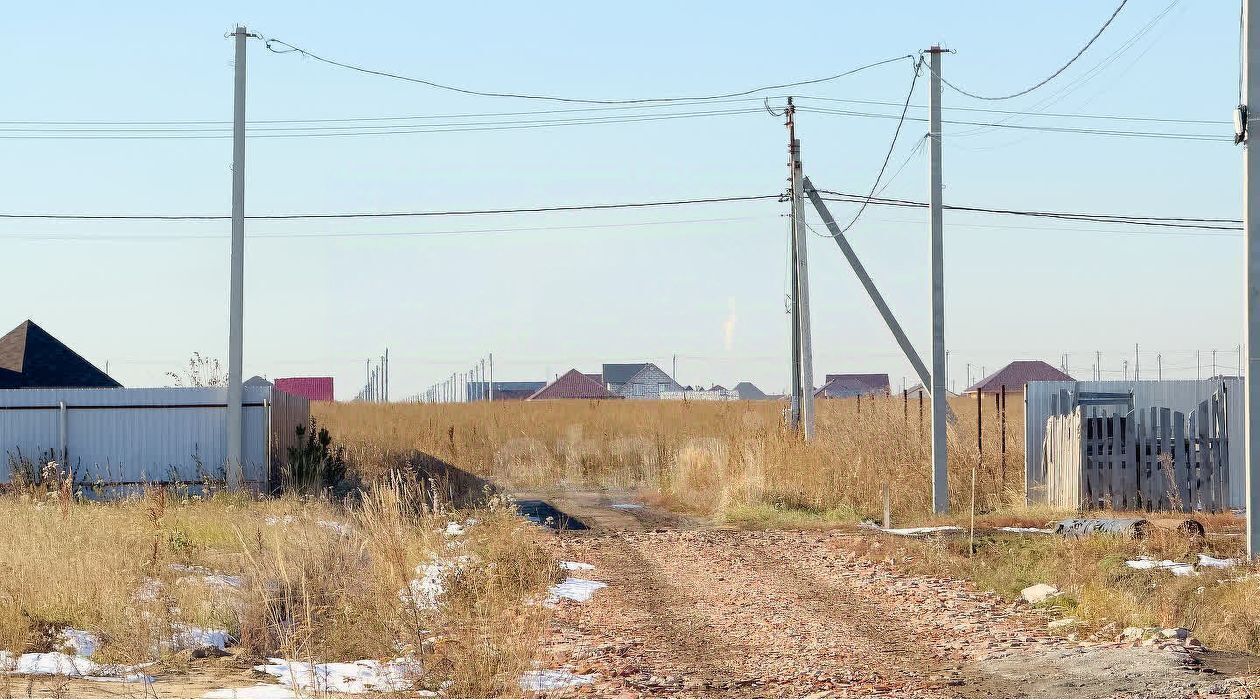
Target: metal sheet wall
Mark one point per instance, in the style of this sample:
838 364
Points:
1183 395
131 435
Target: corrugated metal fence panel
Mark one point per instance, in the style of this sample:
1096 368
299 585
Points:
288 412
130 435
1182 395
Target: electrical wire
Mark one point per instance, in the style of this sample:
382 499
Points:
326 132
1015 112
387 214
1052 76
1154 221
271 45
140 237
1164 135
905 108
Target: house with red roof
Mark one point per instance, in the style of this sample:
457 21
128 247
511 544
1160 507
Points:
1016 374
574 385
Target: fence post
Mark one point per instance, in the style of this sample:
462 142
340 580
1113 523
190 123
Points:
65 434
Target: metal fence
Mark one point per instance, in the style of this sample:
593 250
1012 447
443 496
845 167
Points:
1044 399
131 436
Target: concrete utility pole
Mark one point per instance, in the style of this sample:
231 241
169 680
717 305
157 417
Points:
802 280
236 326
940 457
1251 255
492 376
1137 363
386 374
794 413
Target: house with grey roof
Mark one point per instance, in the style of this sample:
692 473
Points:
851 385
747 391
638 381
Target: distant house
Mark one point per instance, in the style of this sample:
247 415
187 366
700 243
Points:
614 376
31 358
258 382
689 393
851 385
747 391
573 385
1014 375
915 390
647 382
503 390
309 387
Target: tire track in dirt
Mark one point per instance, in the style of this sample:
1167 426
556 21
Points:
713 614
792 614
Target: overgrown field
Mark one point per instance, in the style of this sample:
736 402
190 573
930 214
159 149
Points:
298 578
733 460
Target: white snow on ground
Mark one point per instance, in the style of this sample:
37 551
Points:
576 589
1206 561
258 691
351 678
1147 563
273 520
69 666
192 637
209 577
455 529
81 643
626 506
574 565
339 527
1025 530
919 531
551 680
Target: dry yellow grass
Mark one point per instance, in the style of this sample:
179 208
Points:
725 459
319 581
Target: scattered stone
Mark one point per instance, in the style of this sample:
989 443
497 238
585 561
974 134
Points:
1061 624
1036 594
1178 633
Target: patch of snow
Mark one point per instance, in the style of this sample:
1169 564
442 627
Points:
69 666
81 643
551 680
1036 594
258 691
576 589
1206 561
339 527
919 531
149 590
626 506
358 677
1147 563
574 565
455 529
273 520
1025 530
209 577
192 638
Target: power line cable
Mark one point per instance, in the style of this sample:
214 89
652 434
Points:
905 108
271 45
1053 75
387 214
1016 112
1164 135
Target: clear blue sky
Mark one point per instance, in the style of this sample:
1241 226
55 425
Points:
547 300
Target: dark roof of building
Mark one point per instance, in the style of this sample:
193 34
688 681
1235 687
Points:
31 358
854 385
572 385
258 381
747 391
621 373
1018 373
843 385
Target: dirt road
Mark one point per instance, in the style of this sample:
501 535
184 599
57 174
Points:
724 613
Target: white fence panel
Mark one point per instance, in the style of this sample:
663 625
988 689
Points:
1040 399
134 435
